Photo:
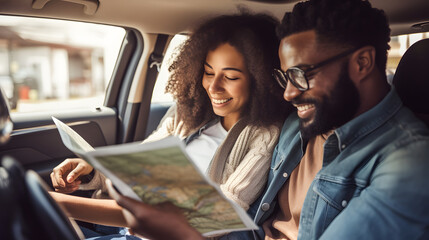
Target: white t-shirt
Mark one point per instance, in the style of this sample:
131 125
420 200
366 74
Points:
203 147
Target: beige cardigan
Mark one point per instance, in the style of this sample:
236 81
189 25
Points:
245 173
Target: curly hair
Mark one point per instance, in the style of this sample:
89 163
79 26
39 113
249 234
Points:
348 23
254 37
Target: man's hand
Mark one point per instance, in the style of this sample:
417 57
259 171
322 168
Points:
163 221
65 176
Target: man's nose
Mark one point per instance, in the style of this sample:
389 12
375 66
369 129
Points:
291 92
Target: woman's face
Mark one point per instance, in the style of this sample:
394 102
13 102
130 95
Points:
227 83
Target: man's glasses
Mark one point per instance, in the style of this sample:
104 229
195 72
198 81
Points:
299 77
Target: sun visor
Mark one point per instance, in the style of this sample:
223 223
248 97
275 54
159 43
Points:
89 6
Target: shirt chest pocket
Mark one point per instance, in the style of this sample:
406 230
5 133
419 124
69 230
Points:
334 194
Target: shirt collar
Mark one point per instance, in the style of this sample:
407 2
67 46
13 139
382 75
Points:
369 120
199 131
364 123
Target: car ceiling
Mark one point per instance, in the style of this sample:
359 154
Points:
175 16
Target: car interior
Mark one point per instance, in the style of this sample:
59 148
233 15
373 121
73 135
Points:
127 111
411 79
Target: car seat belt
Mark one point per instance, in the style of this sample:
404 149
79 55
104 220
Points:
154 64
219 160
157 56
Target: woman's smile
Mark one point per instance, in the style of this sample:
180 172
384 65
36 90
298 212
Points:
220 101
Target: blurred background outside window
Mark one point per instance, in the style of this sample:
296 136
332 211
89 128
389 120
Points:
398 46
48 64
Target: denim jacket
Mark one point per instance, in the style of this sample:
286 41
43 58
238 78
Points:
373 183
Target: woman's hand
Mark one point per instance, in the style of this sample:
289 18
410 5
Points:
162 221
65 177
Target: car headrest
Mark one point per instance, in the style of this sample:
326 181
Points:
411 78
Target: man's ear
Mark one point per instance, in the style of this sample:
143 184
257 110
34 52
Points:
362 63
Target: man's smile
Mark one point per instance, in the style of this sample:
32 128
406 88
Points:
305 111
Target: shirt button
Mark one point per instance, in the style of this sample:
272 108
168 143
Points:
265 207
343 146
344 203
285 175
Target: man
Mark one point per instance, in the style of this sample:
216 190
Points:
352 163
361 171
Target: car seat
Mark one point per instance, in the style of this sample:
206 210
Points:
411 79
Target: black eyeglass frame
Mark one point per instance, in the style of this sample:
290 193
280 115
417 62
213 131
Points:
285 75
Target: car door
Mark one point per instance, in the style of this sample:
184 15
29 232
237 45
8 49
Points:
122 117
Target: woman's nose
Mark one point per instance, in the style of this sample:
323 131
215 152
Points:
216 85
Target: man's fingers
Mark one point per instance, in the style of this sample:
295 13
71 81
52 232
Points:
123 201
128 203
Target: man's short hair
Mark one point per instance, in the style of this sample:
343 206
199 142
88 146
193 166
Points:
347 23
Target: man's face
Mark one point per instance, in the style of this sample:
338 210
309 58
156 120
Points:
332 99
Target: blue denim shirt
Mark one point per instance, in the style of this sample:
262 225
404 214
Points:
373 183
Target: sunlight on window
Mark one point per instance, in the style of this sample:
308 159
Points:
159 95
398 46
51 64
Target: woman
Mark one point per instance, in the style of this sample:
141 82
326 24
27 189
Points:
228 111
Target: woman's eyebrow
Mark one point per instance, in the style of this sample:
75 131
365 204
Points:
225 69
208 65
234 69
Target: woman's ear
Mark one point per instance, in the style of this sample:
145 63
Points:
362 63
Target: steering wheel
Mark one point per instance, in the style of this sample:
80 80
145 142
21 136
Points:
41 216
28 211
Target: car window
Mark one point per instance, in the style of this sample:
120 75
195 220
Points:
400 44
48 64
159 95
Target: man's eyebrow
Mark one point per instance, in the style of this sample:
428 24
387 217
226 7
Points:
303 65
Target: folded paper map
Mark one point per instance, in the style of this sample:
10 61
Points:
161 171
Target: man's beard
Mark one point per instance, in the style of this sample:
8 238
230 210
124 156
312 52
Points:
335 110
